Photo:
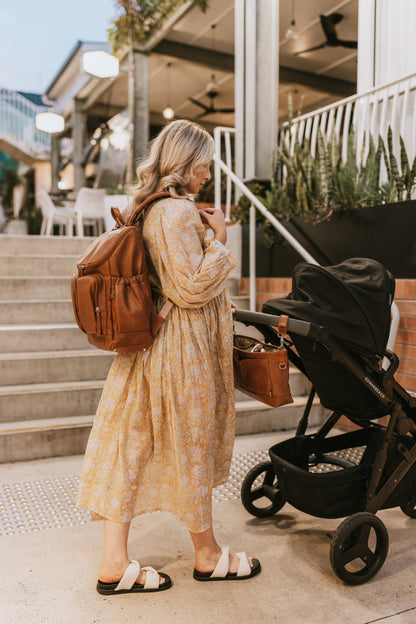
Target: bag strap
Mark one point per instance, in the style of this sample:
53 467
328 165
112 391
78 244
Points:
166 308
121 221
145 203
117 216
282 326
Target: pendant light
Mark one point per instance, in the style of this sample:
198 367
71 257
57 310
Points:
168 112
292 32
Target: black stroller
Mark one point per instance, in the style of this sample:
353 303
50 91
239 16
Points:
339 319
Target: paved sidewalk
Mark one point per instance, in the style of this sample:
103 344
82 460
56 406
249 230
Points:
48 576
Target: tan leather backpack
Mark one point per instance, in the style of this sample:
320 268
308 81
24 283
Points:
111 294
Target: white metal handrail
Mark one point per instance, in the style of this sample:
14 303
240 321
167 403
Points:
256 204
221 132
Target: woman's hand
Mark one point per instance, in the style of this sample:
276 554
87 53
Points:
234 306
216 220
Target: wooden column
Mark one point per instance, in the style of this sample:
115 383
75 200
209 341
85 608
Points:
55 158
140 106
79 131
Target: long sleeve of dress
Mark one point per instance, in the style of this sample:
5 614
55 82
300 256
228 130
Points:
191 268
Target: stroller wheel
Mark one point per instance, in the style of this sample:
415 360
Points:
259 484
359 548
409 508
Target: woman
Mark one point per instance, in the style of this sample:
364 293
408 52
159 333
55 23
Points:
164 430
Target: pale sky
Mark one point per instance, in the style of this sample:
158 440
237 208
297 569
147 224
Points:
36 37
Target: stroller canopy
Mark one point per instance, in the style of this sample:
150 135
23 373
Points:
351 299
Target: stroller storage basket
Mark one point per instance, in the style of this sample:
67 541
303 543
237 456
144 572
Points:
340 492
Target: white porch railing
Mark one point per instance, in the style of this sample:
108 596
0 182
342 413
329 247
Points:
221 134
256 204
17 123
392 104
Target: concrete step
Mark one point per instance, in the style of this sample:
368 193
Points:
38 264
256 417
41 398
36 439
29 287
49 400
54 366
44 244
24 440
242 301
35 311
20 338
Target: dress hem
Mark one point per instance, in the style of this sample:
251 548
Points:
95 516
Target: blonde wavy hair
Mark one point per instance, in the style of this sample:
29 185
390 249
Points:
175 155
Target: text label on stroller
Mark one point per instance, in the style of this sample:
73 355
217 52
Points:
374 387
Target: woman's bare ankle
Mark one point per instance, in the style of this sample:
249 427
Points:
207 558
112 571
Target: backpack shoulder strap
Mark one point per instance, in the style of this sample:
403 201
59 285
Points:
145 203
117 216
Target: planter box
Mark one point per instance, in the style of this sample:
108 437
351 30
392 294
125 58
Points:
386 233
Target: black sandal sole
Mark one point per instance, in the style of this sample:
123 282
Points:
231 576
109 589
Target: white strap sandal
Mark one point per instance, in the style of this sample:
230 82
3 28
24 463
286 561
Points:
222 572
127 583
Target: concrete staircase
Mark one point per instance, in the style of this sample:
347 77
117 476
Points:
51 378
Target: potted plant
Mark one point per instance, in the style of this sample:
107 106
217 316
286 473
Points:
339 209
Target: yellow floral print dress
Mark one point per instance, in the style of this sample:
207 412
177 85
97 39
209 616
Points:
164 430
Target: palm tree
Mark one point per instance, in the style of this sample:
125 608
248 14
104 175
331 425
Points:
137 22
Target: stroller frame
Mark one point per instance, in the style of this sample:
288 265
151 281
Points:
400 433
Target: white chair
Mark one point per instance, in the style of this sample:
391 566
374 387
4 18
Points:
89 208
119 201
54 215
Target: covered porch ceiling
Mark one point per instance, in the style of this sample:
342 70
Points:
196 52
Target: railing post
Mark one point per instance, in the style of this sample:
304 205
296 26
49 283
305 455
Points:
228 160
252 258
217 169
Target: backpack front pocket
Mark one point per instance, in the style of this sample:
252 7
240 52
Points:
132 305
91 304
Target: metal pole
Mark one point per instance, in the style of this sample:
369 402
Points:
229 164
217 169
252 258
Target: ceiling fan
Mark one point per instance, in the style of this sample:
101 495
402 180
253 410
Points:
328 23
211 92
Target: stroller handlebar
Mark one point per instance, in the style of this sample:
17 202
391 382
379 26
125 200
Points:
302 328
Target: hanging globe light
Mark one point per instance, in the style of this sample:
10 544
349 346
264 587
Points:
50 122
168 113
292 32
